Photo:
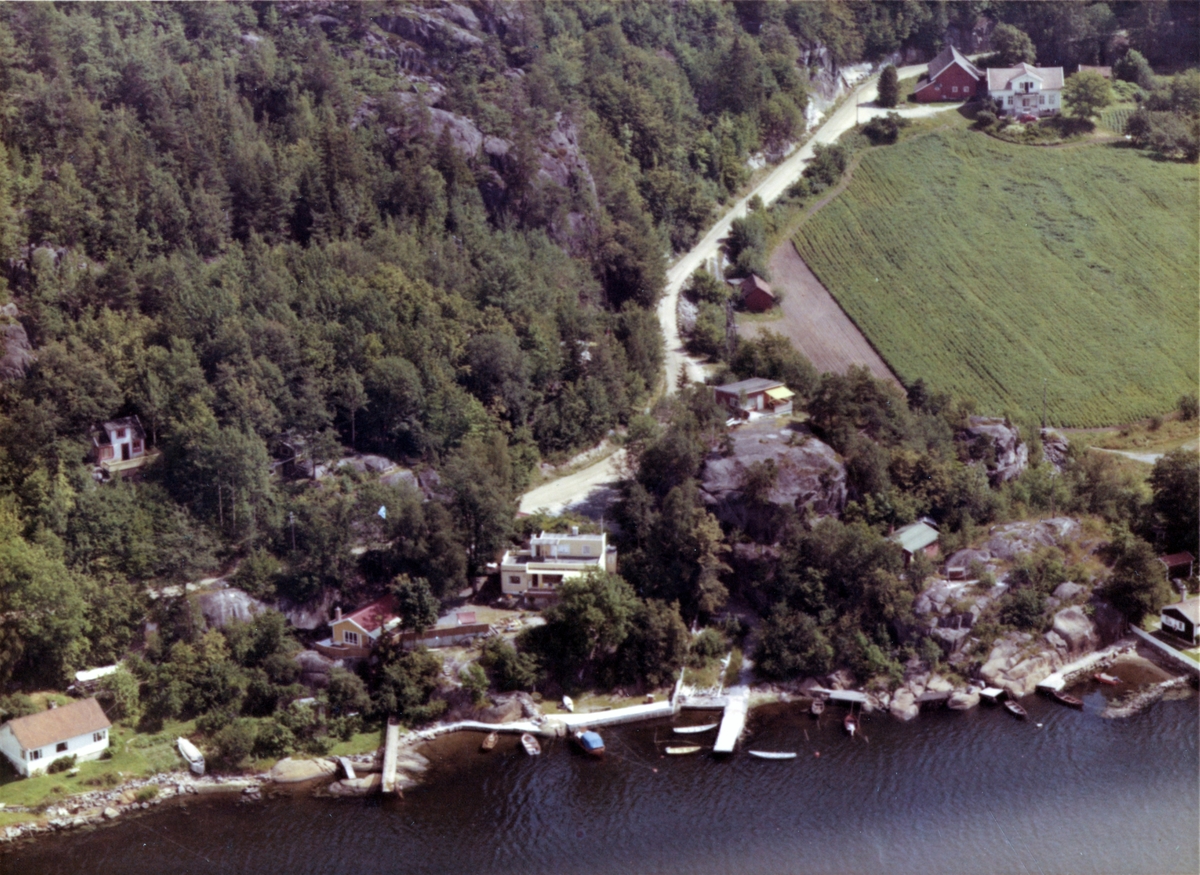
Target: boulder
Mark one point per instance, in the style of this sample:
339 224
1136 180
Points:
357 786
290 771
1054 447
808 473
959 564
1064 592
963 700
1010 541
904 705
16 353
842 679
502 712
951 640
1076 628
1011 454
938 684
111 813
220 607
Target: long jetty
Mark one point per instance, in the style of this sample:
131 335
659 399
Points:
733 720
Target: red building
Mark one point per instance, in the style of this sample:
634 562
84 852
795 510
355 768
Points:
757 295
950 76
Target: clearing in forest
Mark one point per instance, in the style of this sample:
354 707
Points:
985 267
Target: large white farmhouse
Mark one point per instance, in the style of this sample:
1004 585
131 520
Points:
32 743
1025 89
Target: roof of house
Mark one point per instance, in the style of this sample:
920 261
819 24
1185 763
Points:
376 615
1189 608
751 386
59 724
1000 78
103 431
949 56
915 536
1173 559
756 283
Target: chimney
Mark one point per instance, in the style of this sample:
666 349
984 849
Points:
574 530
337 613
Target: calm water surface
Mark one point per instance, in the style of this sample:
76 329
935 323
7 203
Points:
974 792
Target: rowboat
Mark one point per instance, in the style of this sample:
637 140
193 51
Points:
191 753
817 708
489 742
678 750
1109 679
530 744
772 754
568 704
1016 710
851 723
1068 700
694 730
589 742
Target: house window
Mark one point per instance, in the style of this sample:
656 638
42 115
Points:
514 579
954 89
99 736
350 638
35 754
137 446
61 747
564 549
120 434
587 551
1042 99
1010 101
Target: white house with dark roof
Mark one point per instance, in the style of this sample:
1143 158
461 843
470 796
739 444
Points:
32 743
1026 89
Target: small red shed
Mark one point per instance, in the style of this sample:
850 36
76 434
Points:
757 295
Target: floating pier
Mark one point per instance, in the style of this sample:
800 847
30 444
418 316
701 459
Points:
733 721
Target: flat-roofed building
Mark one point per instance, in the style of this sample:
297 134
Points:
537 570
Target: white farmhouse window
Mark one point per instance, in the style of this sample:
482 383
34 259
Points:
350 638
99 736
35 754
1010 101
61 747
1042 99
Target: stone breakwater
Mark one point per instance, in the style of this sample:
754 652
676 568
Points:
99 806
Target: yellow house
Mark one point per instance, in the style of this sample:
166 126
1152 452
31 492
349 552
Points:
354 634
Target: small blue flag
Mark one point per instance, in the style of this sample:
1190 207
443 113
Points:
382 512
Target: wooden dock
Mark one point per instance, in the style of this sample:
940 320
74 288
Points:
733 721
391 748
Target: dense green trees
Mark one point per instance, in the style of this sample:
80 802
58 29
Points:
889 86
1086 93
1013 46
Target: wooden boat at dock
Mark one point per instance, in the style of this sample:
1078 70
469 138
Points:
1068 700
589 742
679 750
191 753
850 722
530 744
1014 709
1110 680
772 754
817 708
695 730
489 742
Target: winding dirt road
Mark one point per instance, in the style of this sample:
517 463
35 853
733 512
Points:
575 488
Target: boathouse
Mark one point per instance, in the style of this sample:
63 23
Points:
1182 618
32 743
1179 565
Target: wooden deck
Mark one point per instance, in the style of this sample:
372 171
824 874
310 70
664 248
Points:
733 721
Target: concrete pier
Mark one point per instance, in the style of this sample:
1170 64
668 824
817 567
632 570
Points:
614 717
1092 661
391 748
733 721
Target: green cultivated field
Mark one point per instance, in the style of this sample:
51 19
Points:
984 267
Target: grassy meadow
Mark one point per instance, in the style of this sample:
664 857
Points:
986 267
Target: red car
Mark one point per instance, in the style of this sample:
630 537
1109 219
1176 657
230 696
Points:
1025 118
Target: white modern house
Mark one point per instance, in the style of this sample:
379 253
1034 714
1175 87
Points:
1025 89
538 569
32 743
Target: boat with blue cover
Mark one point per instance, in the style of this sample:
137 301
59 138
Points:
589 742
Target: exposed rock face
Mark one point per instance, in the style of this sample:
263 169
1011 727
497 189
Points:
904 705
842 679
1064 592
1074 627
1054 447
16 353
502 712
363 786
312 615
1008 542
1016 667
221 606
963 700
314 668
808 473
290 771
1012 455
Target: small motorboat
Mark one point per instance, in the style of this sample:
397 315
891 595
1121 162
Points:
772 754
679 750
568 704
191 753
1111 680
489 742
694 730
589 742
850 722
530 744
1014 709
1068 700
817 708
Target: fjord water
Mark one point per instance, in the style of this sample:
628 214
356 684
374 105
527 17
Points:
948 793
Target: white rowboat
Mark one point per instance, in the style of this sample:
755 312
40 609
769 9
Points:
191 753
682 749
772 754
694 730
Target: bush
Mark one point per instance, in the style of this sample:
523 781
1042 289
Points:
145 794
508 668
734 669
233 744
273 740
707 646
475 682
1189 407
885 130
61 765
1023 609
985 119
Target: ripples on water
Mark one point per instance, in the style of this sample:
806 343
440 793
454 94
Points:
973 792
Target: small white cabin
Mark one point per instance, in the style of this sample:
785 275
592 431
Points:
32 743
